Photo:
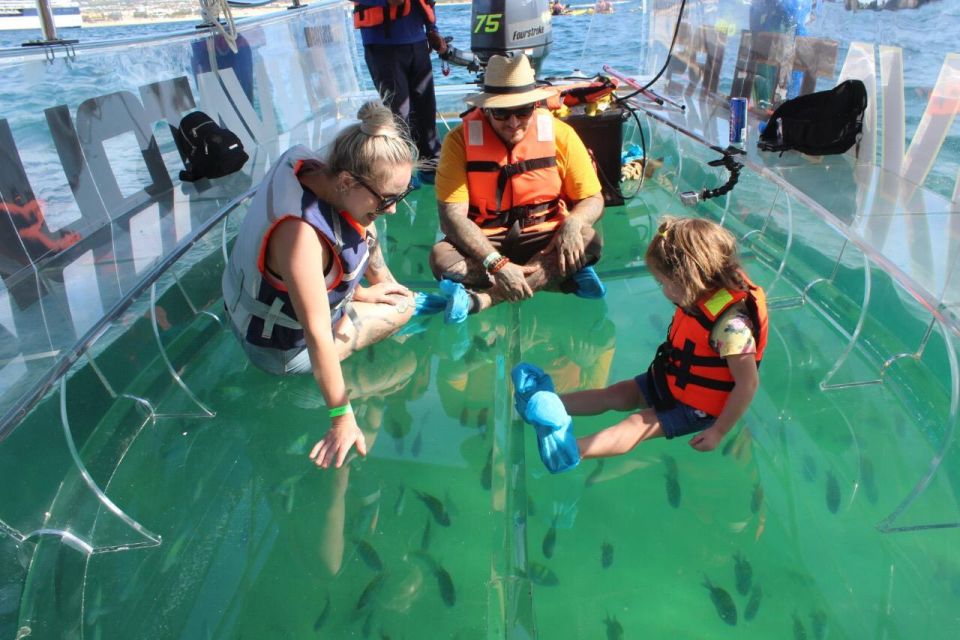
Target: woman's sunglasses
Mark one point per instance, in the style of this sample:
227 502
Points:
385 201
504 114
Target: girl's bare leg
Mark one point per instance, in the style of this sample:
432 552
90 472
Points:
621 437
622 396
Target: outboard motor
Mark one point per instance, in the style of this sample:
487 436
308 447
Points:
504 26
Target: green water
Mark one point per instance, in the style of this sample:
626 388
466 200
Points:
257 543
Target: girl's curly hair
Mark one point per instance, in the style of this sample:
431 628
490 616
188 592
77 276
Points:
698 255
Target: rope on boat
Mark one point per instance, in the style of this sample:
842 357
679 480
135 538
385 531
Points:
210 11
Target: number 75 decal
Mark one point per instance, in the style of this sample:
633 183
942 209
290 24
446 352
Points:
488 22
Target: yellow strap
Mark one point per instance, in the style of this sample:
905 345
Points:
718 301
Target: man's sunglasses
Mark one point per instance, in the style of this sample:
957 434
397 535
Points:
504 114
385 201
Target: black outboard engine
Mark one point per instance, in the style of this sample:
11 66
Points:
506 26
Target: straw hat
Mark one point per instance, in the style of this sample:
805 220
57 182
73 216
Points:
508 82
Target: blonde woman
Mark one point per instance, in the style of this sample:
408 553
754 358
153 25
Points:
292 283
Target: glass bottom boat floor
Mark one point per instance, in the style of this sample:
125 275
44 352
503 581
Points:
829 512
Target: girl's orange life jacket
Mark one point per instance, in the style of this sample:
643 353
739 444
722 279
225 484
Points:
367 15
686 368
521 184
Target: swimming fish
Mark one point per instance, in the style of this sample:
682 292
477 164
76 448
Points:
757 499
809 468
444 582
595 474
753 604
670 464
369 555
799 631
833 492
722 601
614 628
464 416
482 418
366 597
818 624
606 555
673 490
743 573
425 538
371 354
324 614
540 575
436 508
486 474
550 540
417 444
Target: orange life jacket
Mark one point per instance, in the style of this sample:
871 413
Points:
367 15
686 368
521 184
585 92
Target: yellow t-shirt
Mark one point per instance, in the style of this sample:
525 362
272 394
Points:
733 332
578 177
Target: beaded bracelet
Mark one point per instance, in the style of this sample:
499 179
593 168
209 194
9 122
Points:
491 258
342 410
499 264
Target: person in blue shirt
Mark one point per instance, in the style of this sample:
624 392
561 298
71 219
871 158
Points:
397 38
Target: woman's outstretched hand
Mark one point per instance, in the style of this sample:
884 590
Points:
333 449
385 292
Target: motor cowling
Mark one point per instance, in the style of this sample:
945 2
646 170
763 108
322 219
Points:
507 26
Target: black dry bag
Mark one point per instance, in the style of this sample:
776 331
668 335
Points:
818 124
209 150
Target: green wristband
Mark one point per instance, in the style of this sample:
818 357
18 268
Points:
343 410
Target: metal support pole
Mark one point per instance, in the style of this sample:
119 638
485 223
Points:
49 28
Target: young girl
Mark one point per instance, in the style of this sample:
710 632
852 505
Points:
702 378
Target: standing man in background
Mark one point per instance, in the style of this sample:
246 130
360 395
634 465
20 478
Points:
397 38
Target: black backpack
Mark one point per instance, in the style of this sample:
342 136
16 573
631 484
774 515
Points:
208 150
818 124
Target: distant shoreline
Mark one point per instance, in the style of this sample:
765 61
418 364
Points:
195 19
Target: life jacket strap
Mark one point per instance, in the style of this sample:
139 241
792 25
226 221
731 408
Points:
667 360
524 215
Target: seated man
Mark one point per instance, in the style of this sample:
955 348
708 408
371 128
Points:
517 196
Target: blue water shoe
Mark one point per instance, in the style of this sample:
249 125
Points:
554 427
527 380
458 302
589 284
428 303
